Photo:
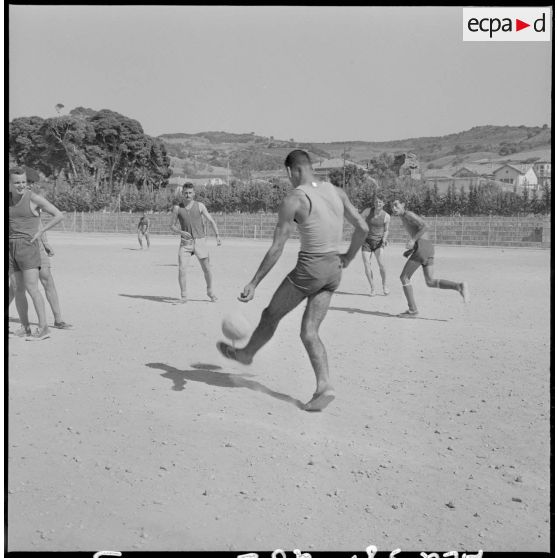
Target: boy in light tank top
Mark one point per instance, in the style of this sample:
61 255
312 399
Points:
187 220
317 209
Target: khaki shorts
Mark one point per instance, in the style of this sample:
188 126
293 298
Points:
23 255
196 248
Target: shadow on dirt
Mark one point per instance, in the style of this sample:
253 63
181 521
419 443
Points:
381 314
210 374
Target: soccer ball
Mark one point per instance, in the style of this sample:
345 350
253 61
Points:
235 326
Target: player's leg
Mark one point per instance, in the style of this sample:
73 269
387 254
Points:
408 270
22 306
31 282
47 280
315 312
207 273
379 253
11 290
367 261
286 298
140 240
183 260
433 283
147 240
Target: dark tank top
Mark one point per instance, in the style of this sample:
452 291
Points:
23 223
191 220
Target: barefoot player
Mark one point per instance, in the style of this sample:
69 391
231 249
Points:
420 252
376 240
317 209
143 230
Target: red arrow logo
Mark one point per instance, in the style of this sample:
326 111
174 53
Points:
519 25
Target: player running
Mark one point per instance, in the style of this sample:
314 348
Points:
317 209
376 240
420 252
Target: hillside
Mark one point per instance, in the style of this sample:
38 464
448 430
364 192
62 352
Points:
204 152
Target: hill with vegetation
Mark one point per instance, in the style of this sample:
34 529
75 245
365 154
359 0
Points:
247 153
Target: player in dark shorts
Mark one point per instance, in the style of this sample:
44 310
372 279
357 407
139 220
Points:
317 209
24 253
143 230
376 240
420 252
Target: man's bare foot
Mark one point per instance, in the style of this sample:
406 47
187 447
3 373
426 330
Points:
212 297
182 300
228 351
320 400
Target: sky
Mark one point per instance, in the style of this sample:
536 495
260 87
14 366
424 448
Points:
313 74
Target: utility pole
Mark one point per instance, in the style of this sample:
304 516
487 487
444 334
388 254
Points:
344 149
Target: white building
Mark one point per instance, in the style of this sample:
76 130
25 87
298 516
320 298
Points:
517 175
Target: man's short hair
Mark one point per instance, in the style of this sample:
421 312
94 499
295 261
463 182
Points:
17 170
298 158
188 185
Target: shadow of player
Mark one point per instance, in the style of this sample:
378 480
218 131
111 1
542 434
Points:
353 294
209 374
152 298
381 314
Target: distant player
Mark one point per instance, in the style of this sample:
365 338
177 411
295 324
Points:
317 209
143 230
24 252
188 221
420 252
376 240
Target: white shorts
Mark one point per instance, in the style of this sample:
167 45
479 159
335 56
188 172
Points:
199 249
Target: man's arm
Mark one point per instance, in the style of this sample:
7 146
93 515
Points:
361 228
283 230
386 229
205 213
45 205
174 219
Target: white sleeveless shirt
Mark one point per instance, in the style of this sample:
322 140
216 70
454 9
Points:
322 231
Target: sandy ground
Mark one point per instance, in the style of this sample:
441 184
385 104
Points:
131 432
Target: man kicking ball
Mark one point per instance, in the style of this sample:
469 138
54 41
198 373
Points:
317 209
420 252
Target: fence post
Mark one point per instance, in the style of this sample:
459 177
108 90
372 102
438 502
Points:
462 225
255 231
435 228
74 224
243 224
225 227
489 221
261 224
117 218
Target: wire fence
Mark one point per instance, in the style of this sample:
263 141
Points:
520 231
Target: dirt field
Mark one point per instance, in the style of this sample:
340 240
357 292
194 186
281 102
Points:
131 432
